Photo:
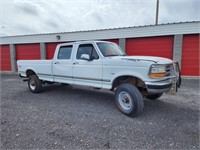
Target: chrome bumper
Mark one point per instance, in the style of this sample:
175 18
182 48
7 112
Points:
168 85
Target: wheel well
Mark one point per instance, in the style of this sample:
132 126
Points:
30 72
129 79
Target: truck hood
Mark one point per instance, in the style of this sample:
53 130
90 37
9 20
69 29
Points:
158 60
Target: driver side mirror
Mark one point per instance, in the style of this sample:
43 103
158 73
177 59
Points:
85 57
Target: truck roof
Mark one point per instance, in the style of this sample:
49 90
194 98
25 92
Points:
84 42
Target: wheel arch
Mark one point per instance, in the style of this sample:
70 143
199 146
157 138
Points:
30 72
138 82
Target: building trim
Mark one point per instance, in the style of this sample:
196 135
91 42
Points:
122 43
177 48
42 51
13 58
130 32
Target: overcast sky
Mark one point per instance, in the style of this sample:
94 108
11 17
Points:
19 17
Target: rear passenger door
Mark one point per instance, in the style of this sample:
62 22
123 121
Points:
87 72
62 65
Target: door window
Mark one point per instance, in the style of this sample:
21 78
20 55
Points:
87 49
65 52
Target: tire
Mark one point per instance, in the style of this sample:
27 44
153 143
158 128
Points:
34 84
153 96
129 100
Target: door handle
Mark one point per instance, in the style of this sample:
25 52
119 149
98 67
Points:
57 62
75 63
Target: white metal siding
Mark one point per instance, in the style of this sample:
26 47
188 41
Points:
143 31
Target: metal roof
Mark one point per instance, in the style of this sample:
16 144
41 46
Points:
112 33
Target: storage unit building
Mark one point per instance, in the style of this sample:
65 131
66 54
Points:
177 41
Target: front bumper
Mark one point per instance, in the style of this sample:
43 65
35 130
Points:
168 85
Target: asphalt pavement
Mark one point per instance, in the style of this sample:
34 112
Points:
73 117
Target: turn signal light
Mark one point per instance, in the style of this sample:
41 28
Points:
157 75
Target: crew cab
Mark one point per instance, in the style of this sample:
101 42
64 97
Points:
102 64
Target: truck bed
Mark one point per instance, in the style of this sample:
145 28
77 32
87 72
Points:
42 67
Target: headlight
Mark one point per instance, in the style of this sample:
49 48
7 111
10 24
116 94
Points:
157 71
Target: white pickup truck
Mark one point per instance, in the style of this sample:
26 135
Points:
102 64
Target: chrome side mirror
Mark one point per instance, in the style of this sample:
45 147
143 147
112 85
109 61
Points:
85 57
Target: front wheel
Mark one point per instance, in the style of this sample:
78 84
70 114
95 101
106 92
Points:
34 84
129 100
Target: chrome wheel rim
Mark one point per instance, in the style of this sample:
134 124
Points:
32 84
125 100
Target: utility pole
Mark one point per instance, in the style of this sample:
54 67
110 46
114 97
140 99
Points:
157 11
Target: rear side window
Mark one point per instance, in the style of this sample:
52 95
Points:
65 52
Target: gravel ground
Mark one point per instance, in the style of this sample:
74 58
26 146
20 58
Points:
73 117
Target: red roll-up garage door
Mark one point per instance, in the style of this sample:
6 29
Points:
5 58
27 51
50 49
190 55
151 46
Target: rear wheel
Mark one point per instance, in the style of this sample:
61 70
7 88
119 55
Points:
154 96
129 100
34 84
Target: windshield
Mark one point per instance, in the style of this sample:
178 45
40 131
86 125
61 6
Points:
110 49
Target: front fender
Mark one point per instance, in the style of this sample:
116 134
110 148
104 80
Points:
127 73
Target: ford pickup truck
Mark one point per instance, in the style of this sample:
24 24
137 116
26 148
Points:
102 64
